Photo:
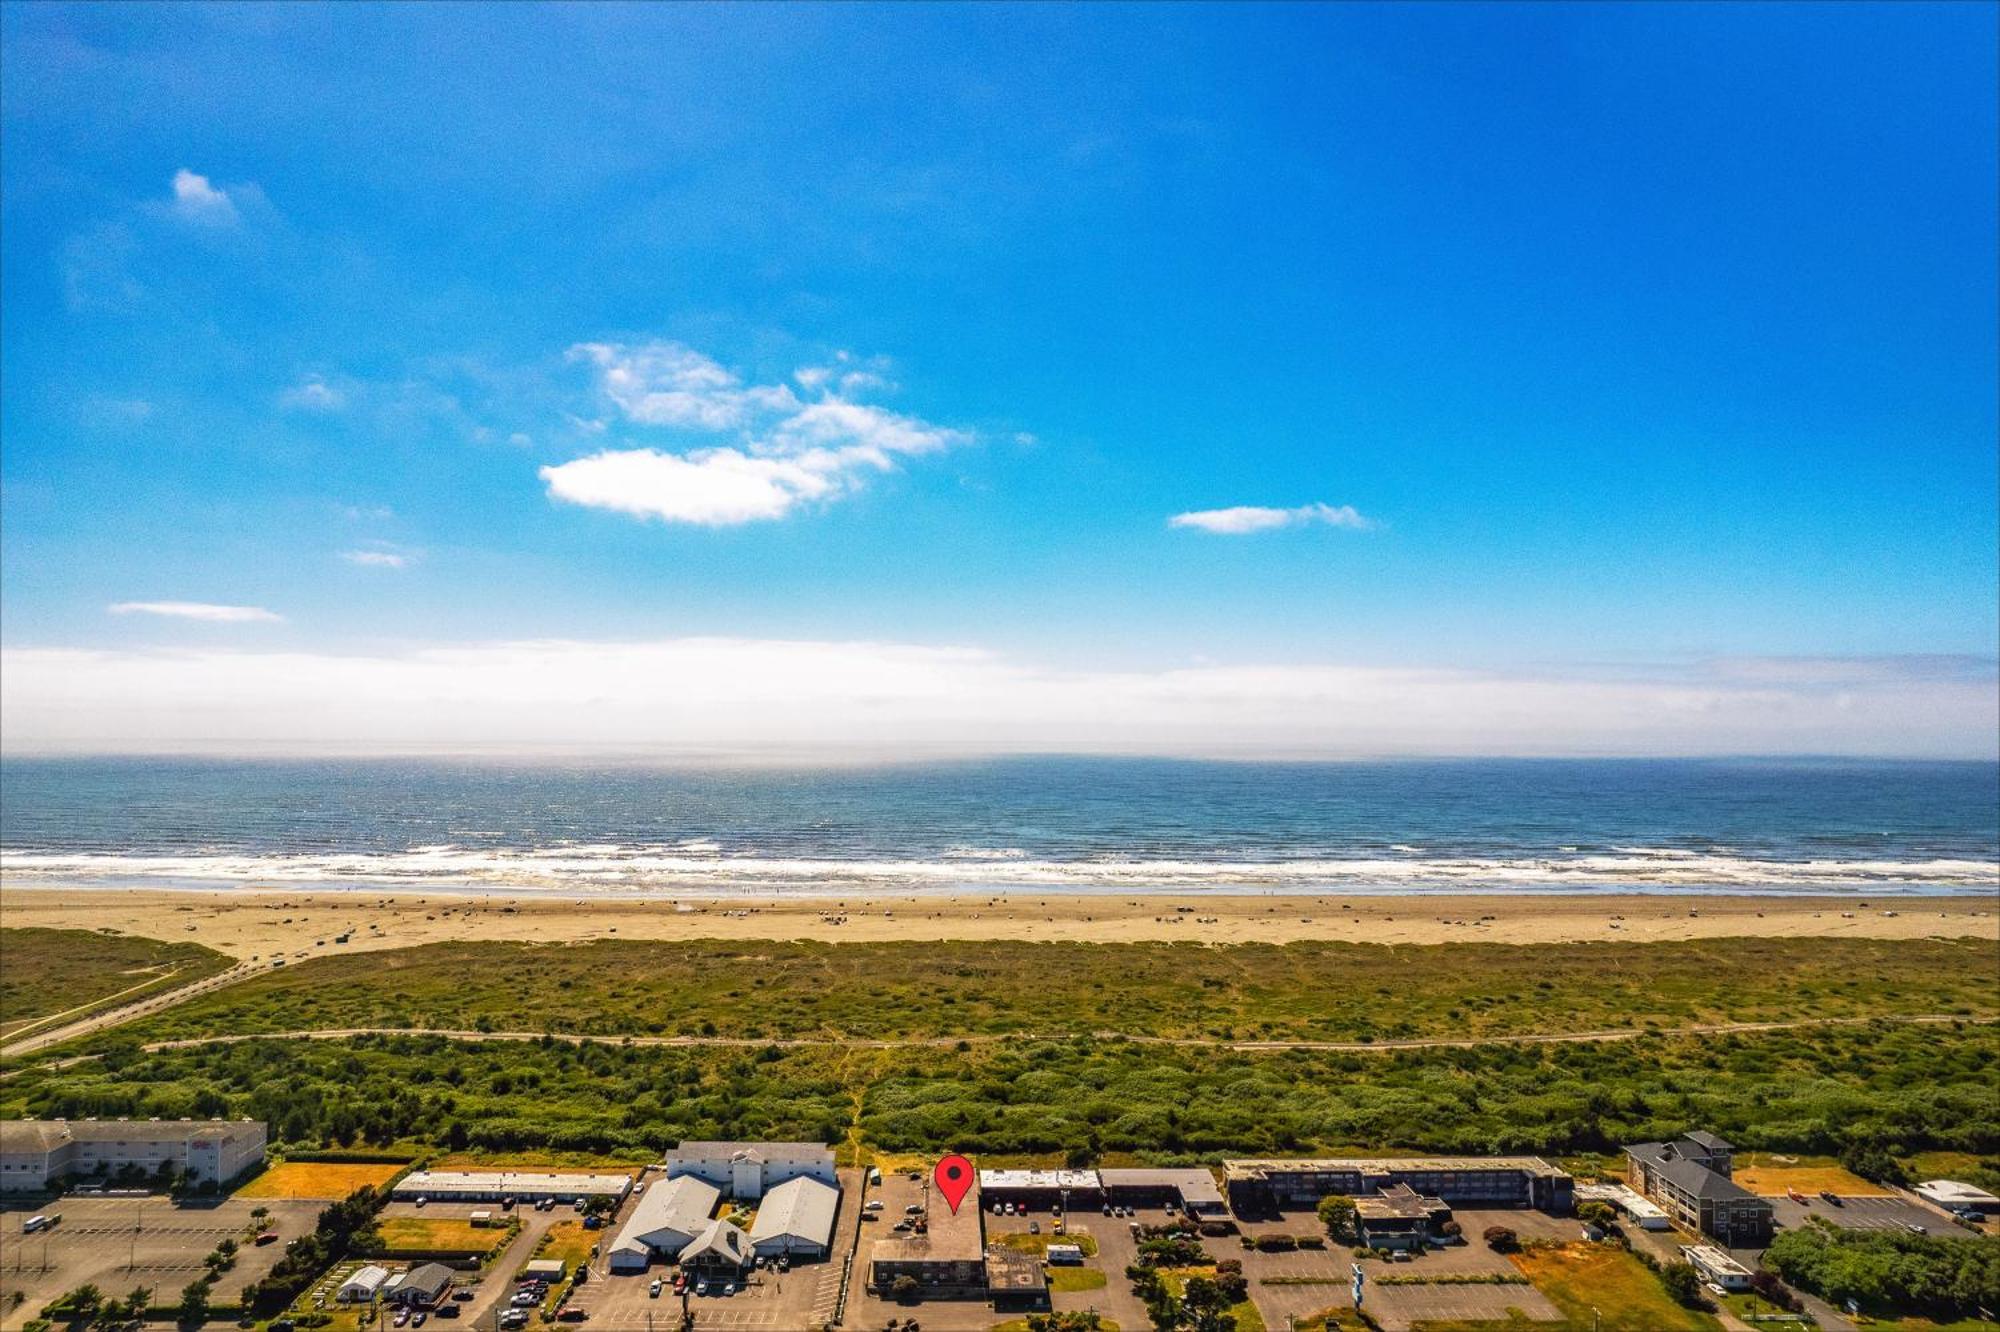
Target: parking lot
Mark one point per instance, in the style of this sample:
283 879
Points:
118 1243
1303 1282
804 1297
1862 1213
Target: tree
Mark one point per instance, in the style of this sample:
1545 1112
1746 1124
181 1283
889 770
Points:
1597 1214
1500 1239
903 1287
1337 1214
1683 1283
192 1311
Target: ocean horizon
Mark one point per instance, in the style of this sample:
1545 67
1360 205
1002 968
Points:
997 826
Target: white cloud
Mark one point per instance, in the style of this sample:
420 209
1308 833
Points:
194 610
1247 518
376 559
667 384
312 394
785 451
195 200
867 699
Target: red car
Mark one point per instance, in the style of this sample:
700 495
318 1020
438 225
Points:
268 1237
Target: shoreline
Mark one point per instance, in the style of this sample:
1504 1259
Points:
263 922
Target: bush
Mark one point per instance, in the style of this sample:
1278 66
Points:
1940 1278
1683 1284
1501 1239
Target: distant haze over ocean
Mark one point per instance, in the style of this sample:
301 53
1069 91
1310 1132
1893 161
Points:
1019 824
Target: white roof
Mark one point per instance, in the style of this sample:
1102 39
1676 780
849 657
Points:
367 1279
1951 1191
668 1214
801 1207
512 1181
1714 1259
1038 1179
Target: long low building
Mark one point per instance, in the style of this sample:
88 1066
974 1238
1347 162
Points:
36 1154
1954 1196
1268 1185
524 1185
748 1170
1641 1212
1192 1188
667 1218
1261 1186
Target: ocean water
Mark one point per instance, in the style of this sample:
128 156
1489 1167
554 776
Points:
1040 824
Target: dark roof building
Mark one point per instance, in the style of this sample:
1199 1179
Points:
423 1286
1689 1179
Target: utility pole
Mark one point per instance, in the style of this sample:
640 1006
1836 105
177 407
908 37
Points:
1593 1318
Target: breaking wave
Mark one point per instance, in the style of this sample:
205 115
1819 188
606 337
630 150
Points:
700 867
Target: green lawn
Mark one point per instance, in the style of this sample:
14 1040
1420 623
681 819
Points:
1076 1278
46 972
1307 990
1039 1244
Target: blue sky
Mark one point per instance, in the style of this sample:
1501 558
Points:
1559 342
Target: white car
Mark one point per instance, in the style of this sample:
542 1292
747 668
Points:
873 1205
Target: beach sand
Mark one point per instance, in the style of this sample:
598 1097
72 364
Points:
255 923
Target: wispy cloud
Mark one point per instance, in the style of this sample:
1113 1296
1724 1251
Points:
784 451
377 559
1247 518
312 394
194 610
884 699
196 200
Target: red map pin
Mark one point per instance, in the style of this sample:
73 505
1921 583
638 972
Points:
953 1178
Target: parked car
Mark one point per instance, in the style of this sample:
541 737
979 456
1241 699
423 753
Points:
514 1318
421 1200
572 1316
402 1318
1832 1197
1034 1227
729 1288
593 1223
872 1205
463 1295
267 1237
653 1291
419 1318
701 1286
446 1311
680 1282
507 1204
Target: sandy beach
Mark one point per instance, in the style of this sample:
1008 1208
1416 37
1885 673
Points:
252 923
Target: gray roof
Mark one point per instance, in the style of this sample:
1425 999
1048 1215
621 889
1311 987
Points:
667 1213
1692 1176
30 1135
1195 1184
722 1239
1708 1141
430 1280
803 1207
762 1150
